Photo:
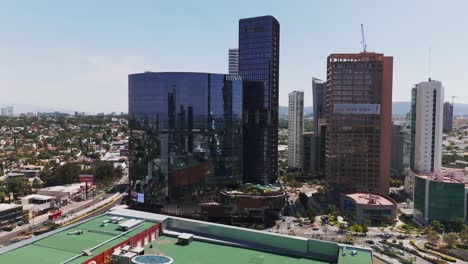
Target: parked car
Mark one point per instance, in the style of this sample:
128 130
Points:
371 242
7 228
387 235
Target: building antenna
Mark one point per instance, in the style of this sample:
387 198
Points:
363 39
429 63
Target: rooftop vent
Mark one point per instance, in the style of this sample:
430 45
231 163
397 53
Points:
127 225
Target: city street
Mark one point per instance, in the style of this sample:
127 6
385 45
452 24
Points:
69 213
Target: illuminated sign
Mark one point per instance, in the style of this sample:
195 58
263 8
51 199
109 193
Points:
357 109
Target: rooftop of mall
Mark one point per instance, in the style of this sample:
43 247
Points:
127 233
371 198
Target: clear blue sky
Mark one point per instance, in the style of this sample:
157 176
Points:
76 55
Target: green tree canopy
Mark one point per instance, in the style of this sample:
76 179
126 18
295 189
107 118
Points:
455 224
437 225
64 174
18 186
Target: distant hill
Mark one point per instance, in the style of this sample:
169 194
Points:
398 108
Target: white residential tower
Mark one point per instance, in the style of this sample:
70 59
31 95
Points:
295 129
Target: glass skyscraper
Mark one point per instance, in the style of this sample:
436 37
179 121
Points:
185 134
259 39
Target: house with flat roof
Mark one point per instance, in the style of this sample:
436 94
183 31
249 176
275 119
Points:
151 237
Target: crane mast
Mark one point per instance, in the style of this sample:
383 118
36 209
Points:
363 39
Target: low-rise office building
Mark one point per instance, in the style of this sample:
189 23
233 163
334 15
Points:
37 204
441 196
369 206
65 193
10 214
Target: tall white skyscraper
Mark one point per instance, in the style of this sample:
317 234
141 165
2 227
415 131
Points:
427 108
295 129
234 61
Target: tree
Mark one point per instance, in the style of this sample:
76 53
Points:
433 237
437 226
367 222
451 239
303 199
311 214
308 125
356 228
297 216
455 224
65 174
463 235
18 186
104 172
36 184
295 184
365 229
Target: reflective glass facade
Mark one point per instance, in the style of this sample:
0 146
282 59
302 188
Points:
419 197
259 61
438 200
446 200
185 133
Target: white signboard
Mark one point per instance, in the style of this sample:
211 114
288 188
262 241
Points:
357 109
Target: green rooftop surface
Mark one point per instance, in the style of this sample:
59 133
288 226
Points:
207 253
362 257
61 246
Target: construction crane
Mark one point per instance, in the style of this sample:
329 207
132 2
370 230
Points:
363 39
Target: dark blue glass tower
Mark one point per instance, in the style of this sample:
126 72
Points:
259 39
185 134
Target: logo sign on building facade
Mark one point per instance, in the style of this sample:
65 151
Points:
233 77
357 109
